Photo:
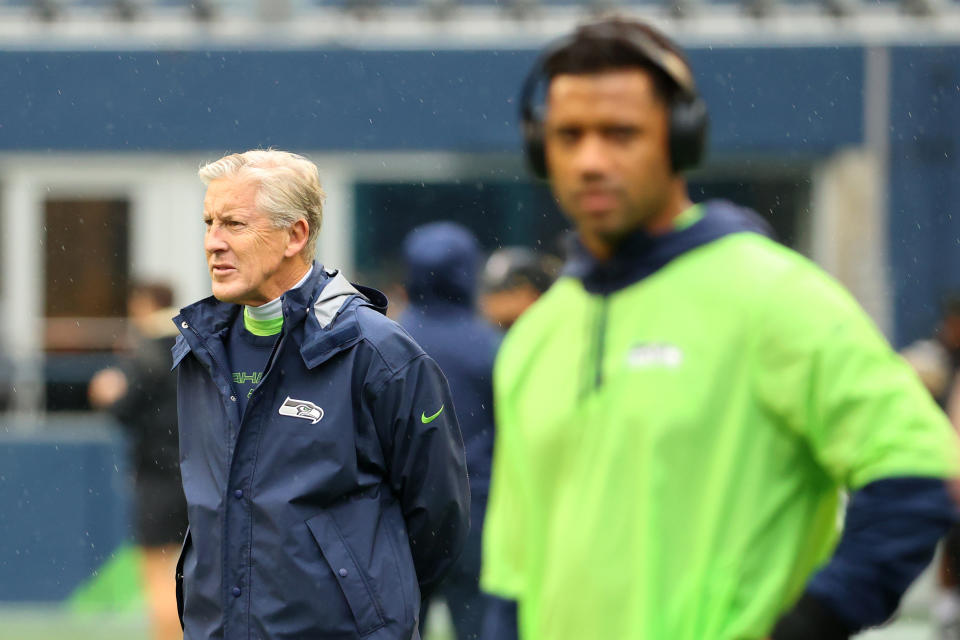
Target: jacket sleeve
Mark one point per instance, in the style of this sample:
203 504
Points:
833 379
892 527
873 429
426 465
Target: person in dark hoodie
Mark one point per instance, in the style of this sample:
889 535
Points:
513 279
678 416
443 261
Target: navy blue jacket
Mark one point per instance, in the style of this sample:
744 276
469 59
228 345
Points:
443 261
340 493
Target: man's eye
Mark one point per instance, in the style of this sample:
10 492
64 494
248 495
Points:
567 136
621 134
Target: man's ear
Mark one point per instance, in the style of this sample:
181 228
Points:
299 233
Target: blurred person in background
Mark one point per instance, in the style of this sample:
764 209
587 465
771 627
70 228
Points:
513 279
321 457
678 415
936 361
141 394
442 261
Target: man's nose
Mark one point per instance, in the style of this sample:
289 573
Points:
592 157
213 240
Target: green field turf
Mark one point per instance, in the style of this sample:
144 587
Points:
60 623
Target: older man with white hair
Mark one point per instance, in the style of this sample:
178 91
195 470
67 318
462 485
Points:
321 457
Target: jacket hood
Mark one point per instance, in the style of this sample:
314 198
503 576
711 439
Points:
442 261
641 255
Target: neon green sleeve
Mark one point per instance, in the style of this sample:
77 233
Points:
504 531
826 371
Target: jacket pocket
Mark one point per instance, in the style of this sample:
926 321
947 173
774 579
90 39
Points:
179 574
355 585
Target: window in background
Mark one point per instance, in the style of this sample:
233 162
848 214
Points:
86 263
499 213
783 201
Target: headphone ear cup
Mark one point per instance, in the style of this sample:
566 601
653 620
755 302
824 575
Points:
689 126
534 148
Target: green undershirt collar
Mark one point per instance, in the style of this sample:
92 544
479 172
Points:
688 218
267 319
269 327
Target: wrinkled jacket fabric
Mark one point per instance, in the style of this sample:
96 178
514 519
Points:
326 524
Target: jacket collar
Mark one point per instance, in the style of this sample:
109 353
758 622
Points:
641 255
211 316
319 304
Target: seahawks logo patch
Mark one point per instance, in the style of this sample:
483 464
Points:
301 409
654 354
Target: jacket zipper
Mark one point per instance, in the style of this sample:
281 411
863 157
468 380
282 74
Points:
601 338
593 355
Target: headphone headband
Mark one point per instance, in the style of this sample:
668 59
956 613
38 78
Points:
662 58
688 113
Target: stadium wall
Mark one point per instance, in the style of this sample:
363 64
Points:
66 502
924 189
798 100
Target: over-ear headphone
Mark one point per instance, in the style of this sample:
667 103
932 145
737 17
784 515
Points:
689 120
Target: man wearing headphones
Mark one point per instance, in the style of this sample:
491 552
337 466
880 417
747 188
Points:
679 415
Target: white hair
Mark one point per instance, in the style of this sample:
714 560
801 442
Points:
288 187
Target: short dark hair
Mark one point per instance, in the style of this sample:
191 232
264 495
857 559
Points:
160 293
605 45
510 268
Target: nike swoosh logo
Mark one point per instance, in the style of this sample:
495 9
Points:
424 418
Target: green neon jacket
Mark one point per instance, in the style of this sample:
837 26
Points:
671 452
